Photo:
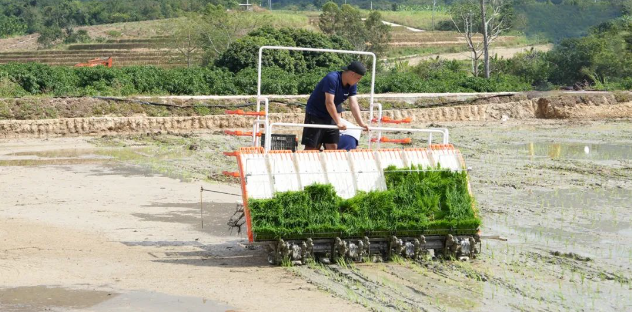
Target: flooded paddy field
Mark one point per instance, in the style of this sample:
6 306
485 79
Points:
114 223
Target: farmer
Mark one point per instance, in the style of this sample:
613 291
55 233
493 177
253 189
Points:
325 105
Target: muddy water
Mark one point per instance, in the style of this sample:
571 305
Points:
572 150
43 298
560 193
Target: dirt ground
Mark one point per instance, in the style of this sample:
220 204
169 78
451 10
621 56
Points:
502 52
114 224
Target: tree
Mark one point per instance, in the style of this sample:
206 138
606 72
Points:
346 21
220 28
243 53
11 25
349 26
464 18
328 19
186 37
603 57
319 3
469 18
48 35
492 25
378 33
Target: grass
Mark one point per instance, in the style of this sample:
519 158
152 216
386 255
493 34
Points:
415 19
395 52
416 202
292 19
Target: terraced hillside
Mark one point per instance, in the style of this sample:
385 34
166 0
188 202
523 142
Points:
125 52
147 43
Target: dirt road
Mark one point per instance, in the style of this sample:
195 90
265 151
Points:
113 224
460 56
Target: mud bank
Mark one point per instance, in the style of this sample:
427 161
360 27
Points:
593 106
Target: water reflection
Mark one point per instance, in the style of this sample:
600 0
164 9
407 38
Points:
579 151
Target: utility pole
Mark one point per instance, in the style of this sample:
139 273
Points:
270 4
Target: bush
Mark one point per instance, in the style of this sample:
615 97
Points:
604 57
81 36
39 79
273 81
11 26
244 52
532 67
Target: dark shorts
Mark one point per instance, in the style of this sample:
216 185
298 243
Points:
347 142
313 137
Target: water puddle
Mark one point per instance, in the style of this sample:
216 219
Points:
158 302
43 298
576 151
598 199
48 162
71 156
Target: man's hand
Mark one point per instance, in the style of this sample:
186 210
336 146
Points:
365 126
342 126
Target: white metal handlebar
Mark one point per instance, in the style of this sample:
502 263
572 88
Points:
444 132
320 50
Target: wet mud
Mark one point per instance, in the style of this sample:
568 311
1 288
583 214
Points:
52 298
558 191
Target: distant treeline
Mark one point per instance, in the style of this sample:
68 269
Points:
603 60
565 20
54 19
19 17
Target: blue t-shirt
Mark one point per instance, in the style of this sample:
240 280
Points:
332 84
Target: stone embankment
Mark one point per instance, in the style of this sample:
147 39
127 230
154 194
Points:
557 106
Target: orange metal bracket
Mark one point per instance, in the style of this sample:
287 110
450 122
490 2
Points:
244 113
386 119
241 133
399 141
231 174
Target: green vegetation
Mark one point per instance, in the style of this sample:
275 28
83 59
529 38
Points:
346 22
604 59
442 76
563 20
435 201
243 54
38 79
417 19
56 17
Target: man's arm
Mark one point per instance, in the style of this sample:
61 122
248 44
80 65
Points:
355 110
331 109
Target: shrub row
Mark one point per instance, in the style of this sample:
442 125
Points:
18 79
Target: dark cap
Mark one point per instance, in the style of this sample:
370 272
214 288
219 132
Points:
356 67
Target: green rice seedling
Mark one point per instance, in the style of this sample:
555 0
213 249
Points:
434 201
